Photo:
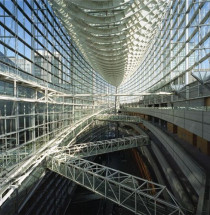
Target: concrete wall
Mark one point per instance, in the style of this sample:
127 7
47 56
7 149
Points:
191 121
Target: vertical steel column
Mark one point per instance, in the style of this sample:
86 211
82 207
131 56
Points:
73 111
16 113
33 122
115 102
5 125
47 113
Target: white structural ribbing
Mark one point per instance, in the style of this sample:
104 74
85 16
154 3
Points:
112 35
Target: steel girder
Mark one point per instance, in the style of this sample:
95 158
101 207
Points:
136 194
132 23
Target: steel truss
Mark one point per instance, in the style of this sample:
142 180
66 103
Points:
105 146
118 118
136 194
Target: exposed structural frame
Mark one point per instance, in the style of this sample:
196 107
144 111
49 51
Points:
130 196
118 118
13 179
179 50
136 194
48 94
105 146
41 95
112 35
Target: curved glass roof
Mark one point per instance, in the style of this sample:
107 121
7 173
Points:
113 35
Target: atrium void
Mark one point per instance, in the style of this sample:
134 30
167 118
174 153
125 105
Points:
105 107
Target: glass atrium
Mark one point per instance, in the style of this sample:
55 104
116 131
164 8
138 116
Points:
135 73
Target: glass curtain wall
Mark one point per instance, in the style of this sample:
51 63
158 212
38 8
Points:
178 55
40 72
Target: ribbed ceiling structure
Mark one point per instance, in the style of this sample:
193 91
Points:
113 35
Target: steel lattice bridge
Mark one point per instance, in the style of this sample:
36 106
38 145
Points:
118 118
136 194
105 146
